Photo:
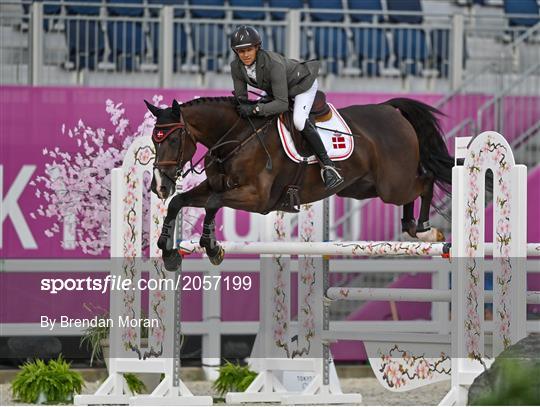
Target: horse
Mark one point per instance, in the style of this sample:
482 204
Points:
399 155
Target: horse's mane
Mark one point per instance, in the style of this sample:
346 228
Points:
210 99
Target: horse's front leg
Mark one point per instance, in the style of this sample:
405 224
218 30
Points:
195 197
245 197
208 238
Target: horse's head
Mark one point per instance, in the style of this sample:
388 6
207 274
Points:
174 147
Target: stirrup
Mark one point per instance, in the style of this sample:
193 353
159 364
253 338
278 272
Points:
331 179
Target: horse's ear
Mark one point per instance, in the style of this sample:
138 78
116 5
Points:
175 108
156 111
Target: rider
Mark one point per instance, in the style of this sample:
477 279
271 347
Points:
280 78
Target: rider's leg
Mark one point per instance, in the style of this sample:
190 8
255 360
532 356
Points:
331 177
302 107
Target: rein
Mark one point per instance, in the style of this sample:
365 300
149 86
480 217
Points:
215 159
160 136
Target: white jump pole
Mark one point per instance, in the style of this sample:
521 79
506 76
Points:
407 294
339 248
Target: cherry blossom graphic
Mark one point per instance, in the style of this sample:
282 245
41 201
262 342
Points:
78 184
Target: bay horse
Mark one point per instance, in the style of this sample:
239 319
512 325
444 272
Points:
399 154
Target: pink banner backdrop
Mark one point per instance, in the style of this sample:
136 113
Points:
32 120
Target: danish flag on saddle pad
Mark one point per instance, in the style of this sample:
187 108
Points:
338 141
339 146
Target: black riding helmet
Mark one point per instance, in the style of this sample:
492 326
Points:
245 36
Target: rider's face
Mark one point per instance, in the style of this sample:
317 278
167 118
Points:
247 55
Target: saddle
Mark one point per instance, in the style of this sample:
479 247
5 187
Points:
320 112
289 199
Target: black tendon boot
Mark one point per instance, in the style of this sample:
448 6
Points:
329 173
166 241
171 258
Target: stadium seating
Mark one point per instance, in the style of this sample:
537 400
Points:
372 48
409 44
208 12
179 31
210 40
364 6
404 5
179 12
278 32
440 44
247 14
48 10
370 44
84 37
529 7
410 47
330 43
125 37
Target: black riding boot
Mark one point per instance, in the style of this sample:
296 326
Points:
329 173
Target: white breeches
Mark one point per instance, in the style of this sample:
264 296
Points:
302 106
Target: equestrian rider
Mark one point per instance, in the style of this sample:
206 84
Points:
280 78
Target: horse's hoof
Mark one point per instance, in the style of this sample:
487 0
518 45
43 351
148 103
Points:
218 257
431 235
171 260
406 237
440 236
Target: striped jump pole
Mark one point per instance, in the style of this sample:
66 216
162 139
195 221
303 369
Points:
353 248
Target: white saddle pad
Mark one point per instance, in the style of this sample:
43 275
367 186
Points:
339 146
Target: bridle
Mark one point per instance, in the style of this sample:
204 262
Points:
161 132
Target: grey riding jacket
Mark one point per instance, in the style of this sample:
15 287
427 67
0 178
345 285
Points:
281 78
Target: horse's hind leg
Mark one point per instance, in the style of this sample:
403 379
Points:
424 231
208 238
408 224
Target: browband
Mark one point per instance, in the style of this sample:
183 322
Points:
162 131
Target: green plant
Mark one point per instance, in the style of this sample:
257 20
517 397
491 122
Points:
516 386
134 383
93 336
233 377
52 382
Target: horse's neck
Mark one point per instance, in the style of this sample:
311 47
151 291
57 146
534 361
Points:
210 123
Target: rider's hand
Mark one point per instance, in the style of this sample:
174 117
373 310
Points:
265 99
245 109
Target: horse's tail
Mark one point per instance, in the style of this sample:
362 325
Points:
434 156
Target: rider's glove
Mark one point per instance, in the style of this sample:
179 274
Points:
245 109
